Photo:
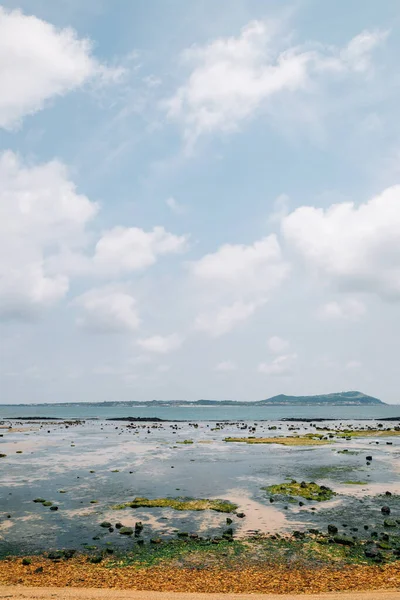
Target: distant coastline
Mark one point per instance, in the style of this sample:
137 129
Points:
351 398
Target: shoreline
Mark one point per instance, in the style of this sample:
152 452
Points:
269 579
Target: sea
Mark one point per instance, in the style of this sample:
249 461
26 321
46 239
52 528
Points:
241 412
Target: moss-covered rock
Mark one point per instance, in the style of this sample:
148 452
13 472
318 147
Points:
195 504
309 491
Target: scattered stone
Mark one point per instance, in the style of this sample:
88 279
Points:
95 560
385 510
118 525
389 523
332 529
241 515
26 561
54 508
126 531
38 570
229 521
343 540
105 524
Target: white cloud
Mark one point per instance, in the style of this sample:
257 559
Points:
280 366
39 62
124 249
161 344
349 308
252 270
225 318
40 212
357 54
174 206
233 77
277 345
107 310
236 280
225 366
355 248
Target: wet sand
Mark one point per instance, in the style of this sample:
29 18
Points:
21 593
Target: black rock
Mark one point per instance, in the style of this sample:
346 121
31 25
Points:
332 529
343 540
385 510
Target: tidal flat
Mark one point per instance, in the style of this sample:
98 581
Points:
149 492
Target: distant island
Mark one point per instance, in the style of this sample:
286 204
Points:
352 398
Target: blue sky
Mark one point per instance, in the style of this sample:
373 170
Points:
198 200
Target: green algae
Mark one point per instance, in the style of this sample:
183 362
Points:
309 491
301 440
355 482
195 504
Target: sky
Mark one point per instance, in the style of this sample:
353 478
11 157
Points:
199 199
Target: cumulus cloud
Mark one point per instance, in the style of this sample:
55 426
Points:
281 365
40 212
39 62
231 78
236 280
277 345
349 308
225 318
125 249
355 248
107 310
252 270
161 344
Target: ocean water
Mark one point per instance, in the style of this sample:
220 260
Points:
87 468
198 413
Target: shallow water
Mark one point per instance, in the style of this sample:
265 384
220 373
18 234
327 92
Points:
151 463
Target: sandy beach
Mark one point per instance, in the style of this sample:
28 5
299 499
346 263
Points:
22 593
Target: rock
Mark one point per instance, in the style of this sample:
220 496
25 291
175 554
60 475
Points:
39 500
38 570
126 531
388 493
240 515
96 538
332 529
384 545
54 508
369 458
105 524
95 560
372 552
385 510
301 503
140 542
118 525
138 528
182 534
343 540
70 553
26 561
229 521
111 529
55 555
110 550
389 523
47 503
314 531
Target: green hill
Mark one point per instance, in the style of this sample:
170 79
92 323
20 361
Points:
337 399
